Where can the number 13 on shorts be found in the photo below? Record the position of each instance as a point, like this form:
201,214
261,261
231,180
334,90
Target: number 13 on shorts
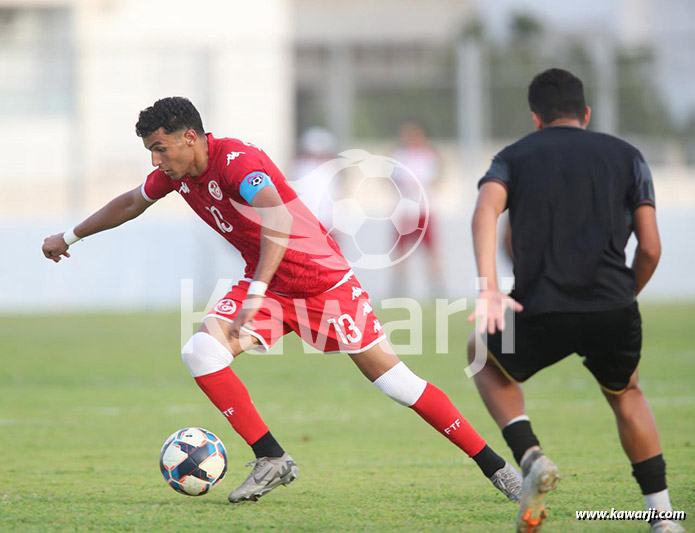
346,329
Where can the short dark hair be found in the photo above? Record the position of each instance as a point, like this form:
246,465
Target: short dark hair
173,113
556,93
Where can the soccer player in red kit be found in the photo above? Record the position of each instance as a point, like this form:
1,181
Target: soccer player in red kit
296,280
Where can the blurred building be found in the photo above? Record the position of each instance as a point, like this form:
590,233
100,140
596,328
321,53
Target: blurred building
356,57
75,74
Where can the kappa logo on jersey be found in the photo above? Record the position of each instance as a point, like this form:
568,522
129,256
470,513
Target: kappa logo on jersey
226,306
248,143
366,308
215,190
356,292
377,326
231,156
184,188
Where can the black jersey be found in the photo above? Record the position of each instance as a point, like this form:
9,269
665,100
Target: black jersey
571,195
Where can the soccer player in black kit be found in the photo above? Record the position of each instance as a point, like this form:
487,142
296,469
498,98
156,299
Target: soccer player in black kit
574,197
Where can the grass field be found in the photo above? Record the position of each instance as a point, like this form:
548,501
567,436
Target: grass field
86,402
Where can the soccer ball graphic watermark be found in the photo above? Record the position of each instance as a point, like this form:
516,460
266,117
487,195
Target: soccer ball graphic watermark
381,220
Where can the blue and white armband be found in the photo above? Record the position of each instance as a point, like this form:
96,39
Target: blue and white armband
253,183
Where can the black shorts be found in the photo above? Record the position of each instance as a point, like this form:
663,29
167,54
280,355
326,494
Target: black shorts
609,341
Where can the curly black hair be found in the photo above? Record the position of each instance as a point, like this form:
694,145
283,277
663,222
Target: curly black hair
173,113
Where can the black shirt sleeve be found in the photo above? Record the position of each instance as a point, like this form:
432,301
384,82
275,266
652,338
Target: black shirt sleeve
498,172
642,190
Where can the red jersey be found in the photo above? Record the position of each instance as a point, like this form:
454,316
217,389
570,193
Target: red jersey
312,263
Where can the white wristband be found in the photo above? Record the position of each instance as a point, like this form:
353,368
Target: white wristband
70,238
257,288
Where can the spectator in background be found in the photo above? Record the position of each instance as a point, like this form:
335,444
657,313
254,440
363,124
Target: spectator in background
417,154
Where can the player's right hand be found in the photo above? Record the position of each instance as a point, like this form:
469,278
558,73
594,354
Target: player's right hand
245,315
489,311
54,247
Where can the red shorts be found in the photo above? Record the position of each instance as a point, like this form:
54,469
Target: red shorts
339,320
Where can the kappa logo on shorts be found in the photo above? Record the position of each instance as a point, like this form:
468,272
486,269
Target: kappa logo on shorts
214,190
356,292
226,306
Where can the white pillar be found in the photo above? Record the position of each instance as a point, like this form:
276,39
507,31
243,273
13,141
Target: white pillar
605,107
341,94
470,103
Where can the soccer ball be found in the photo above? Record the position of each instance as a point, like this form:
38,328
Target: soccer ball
192,461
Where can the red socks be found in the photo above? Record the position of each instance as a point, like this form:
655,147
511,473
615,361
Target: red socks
436,408
230,396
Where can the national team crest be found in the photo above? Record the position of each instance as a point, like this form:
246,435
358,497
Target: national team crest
215,190
226,306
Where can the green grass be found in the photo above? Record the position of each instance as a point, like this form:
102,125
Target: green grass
86,402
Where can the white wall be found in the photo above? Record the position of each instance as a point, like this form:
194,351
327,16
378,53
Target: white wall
140,265
233,61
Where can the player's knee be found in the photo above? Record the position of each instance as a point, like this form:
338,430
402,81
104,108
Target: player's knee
204,354
401,384
624,397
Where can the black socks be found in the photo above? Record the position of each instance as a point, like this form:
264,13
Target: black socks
488,461
519,437
267,446
650,474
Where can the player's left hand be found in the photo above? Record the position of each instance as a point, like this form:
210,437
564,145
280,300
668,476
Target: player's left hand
245,316
489,311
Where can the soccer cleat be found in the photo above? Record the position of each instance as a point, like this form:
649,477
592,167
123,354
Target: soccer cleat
508,481
267,473
667,526
540,476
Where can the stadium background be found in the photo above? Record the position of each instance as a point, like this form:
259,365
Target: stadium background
76,73
90,379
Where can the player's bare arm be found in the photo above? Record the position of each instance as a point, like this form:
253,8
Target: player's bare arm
648,249
125,207
275,232
489,310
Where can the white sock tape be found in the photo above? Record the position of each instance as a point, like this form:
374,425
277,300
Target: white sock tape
658,500
517,419
400,384
204,354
